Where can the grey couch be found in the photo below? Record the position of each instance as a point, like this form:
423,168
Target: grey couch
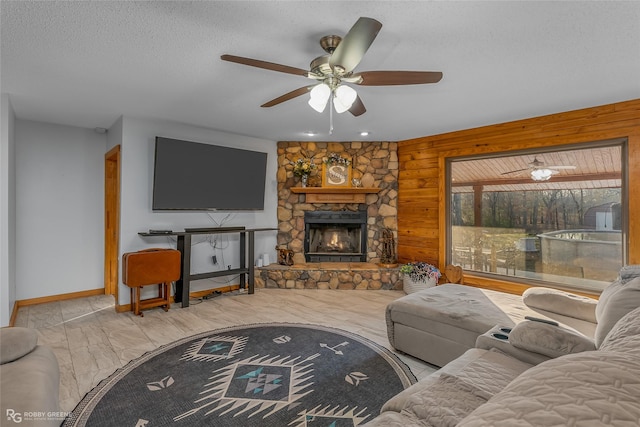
439,324
29,380
541,374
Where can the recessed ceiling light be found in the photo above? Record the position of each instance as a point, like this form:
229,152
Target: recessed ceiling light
365,133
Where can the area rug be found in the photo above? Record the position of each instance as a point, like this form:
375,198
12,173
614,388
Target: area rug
257,375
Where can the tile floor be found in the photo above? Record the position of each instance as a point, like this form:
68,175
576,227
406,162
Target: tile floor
91,340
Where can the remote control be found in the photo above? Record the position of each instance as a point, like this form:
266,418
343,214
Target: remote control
537,319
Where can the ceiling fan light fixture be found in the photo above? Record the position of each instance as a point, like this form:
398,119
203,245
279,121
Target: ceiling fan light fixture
319,96
344,98
541,174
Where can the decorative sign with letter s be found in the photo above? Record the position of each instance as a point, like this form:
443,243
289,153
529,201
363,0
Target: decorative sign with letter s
336,171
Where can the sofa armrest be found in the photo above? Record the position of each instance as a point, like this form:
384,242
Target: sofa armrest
16,343
549,340
561,302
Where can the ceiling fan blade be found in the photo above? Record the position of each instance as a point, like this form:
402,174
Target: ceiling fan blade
560,167
388,78
354,45
517,170
288,96
357,108
266,65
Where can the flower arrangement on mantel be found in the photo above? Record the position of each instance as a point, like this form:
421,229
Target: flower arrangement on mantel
302,167
421,272
336,159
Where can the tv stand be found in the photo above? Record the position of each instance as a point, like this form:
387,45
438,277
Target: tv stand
212,230
247,247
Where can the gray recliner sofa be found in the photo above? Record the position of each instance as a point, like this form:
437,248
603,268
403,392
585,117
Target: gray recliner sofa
538,373
29,380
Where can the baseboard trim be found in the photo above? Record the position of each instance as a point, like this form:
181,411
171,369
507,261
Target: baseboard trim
223,289
51,298
14,314
59,297
198,294
92,292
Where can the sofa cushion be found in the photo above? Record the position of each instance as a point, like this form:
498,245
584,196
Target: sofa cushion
589,388
492,371
550,340
464,307
616,300
31,384
561,302
625,335
16,343
394,419
446,402
629,272
480,374
397,402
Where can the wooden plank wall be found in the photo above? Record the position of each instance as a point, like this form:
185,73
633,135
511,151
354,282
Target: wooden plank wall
421,184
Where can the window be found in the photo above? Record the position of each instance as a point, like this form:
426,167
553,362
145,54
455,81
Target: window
550,216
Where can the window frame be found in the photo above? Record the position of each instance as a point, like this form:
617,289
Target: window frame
446,161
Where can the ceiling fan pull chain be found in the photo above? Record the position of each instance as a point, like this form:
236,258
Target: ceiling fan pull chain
330,117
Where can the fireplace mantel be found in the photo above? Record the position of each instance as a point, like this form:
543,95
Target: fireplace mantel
334,194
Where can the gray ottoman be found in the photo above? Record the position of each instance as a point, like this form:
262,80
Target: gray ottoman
439,324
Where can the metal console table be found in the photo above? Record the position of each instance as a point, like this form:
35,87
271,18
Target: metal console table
247,245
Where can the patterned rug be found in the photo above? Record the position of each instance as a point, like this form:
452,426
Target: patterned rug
256,375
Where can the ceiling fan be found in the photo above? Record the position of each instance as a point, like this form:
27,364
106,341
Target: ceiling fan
540,172
333,71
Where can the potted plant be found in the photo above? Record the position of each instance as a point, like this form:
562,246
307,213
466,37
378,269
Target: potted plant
419,275
303,168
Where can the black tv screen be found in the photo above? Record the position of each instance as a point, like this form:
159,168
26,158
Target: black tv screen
195,176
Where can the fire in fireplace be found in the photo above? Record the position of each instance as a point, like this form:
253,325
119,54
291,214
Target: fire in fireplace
338,236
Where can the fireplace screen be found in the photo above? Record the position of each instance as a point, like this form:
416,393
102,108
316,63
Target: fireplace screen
330,239
335,236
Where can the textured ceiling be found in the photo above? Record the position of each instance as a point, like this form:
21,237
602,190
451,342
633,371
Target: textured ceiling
87,63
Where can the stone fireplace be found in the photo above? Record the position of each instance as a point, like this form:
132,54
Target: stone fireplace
336,243
335,236
375,165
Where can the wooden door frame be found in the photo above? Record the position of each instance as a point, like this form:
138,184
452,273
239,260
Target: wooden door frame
111,221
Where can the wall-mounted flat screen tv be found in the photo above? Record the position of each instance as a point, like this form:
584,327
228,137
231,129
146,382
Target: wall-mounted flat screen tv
195,176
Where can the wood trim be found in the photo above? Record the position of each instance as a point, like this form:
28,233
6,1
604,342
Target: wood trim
112,220
59,297
422,196
14,314
334,194
511,287
334,190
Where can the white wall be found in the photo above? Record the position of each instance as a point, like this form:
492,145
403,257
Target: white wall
7,211
56,185
60,205
137,157
114,135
